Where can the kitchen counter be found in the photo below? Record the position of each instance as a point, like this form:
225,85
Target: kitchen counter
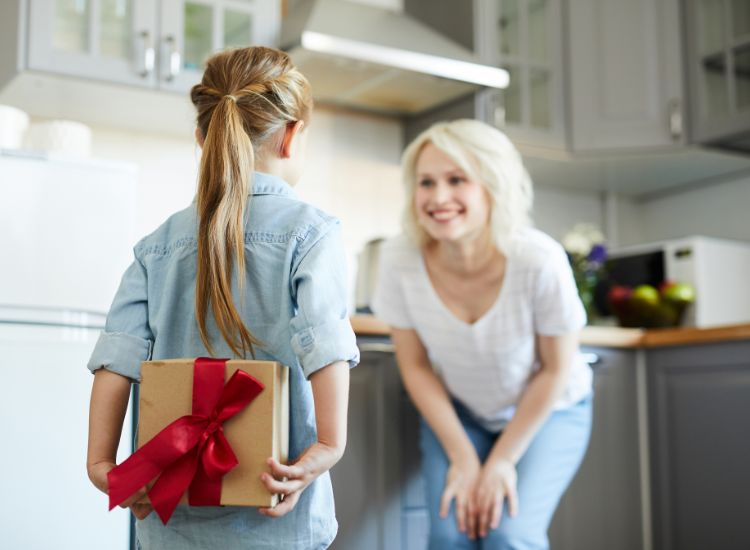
614,337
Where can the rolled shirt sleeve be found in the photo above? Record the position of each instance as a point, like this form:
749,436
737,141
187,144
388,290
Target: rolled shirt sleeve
321,331
127,339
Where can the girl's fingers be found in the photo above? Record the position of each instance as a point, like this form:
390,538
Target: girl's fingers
134,498
280,487
141,511
283,470
283,508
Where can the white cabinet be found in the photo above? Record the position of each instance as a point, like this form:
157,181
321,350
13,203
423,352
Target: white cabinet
193,29
102,39
141,42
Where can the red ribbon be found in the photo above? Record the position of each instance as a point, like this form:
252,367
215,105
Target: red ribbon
192,451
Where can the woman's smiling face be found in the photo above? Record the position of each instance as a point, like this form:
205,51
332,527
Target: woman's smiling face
450,204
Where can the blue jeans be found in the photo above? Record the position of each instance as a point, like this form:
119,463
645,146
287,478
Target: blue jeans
544,473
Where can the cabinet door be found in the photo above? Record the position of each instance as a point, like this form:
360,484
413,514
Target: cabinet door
110,40
525,38
191,30
366,480
602,507
625,74
699,403
718,46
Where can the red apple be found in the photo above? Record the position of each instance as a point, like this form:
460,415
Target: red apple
619,294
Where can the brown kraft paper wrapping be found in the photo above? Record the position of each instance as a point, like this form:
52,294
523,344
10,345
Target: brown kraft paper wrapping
259,431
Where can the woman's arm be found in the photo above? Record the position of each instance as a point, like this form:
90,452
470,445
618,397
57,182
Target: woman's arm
109,402
498,477
434,404
330,386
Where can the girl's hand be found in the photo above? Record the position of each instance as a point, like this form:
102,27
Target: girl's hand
98,476
290,481
459,485
496,483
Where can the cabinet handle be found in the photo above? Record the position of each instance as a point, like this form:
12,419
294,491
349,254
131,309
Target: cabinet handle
148,55
173,58
675,119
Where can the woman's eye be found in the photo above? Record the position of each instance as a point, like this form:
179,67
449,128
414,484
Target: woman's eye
425,183
456,180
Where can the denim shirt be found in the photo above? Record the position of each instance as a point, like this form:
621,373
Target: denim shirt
294,300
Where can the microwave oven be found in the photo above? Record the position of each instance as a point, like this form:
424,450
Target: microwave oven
718,270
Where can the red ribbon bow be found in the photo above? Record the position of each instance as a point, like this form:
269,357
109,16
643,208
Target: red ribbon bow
192,451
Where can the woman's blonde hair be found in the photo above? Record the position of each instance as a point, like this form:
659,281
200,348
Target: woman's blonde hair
485,154
246,96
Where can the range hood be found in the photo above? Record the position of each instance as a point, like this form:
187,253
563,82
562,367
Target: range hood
379,60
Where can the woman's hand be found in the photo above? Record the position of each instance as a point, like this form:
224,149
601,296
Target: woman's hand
290,481
496,483
460,481
98,476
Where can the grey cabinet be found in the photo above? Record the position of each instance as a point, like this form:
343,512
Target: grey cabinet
602,507
580,79
380,502
718,62
525,37
699,406
625,74
137,42
367,480
601,101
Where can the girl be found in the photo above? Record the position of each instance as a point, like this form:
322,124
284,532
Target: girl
484,314
230,275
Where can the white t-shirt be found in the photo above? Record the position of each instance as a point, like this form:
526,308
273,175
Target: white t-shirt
487,365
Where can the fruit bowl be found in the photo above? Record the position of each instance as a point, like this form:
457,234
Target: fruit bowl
648,307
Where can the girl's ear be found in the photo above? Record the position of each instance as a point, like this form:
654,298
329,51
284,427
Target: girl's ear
291,131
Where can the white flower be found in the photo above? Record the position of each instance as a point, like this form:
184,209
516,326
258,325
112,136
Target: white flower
582,238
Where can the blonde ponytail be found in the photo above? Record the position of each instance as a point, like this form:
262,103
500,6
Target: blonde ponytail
245,97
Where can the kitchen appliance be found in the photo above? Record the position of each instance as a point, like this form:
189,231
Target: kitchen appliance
367,275
380,60
718,269
66,233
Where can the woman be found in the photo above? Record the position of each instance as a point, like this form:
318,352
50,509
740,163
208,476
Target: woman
484,315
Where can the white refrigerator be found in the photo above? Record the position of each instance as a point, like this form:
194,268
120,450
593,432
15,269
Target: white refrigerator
66,235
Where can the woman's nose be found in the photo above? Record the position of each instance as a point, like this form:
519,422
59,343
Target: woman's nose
441,192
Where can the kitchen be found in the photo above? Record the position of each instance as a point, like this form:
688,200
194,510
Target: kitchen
619,128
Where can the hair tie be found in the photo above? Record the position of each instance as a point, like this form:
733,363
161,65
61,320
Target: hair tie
230,96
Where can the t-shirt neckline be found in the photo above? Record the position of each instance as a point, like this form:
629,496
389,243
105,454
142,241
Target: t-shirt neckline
444,307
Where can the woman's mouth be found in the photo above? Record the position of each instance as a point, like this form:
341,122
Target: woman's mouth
444,216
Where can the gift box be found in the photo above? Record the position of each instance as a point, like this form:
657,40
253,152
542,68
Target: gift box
205,429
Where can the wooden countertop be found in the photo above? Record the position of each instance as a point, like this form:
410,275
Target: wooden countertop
612,337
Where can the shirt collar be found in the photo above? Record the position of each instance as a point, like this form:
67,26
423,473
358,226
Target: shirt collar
268,184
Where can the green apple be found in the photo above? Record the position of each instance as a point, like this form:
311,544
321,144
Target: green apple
645,295
679,294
